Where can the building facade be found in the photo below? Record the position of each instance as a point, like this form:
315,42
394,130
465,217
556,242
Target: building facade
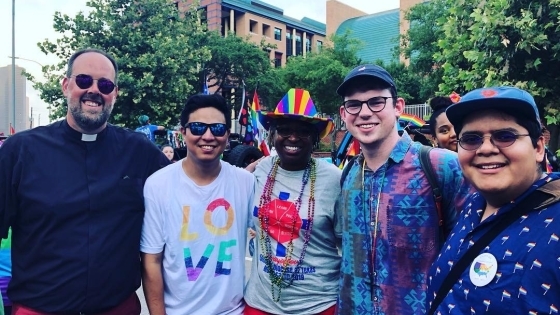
6,100
260,20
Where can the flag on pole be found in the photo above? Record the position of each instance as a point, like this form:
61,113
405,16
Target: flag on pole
12,130
258,129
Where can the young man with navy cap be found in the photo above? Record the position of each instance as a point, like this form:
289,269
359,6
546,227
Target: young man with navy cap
501,149
387,215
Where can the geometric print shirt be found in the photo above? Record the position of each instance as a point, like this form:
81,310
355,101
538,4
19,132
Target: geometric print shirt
524,278
389,217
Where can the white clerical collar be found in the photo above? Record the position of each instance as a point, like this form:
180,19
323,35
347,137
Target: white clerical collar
89,138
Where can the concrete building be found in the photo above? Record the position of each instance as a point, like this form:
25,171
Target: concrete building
6,100
261,20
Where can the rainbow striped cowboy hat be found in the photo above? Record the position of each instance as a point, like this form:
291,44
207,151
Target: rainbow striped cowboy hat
297,104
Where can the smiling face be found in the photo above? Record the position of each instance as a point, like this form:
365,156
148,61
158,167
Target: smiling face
89,109
500,174
445,134
369,128
293,141
206,148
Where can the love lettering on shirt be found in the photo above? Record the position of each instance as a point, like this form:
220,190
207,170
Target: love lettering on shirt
223,255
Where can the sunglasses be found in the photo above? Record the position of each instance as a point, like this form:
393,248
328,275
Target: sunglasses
500,139
300,132
375,104
85,81
199,128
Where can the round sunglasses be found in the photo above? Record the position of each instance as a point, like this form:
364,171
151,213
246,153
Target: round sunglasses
85,81
199,128
500,139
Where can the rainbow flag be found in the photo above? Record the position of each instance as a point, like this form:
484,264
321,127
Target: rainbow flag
412,120
257,128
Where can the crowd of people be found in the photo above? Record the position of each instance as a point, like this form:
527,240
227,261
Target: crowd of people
90,210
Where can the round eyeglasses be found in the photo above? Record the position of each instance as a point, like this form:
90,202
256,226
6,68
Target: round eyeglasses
500,139
375,104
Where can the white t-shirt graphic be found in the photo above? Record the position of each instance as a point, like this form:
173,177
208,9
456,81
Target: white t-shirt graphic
202,231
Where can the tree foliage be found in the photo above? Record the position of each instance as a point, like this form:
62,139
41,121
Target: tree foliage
501,42
155,49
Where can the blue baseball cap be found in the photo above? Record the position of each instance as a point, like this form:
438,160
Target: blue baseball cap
368,70
510,100
143,119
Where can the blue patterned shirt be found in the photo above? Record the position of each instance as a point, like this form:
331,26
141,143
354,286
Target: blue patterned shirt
407,237
527,278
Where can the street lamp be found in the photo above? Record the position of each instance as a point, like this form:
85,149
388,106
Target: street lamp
21,58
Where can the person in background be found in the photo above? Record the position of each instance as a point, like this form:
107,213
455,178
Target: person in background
501,149
440,127
147,128
295,269
387,216
169,152
197,216
72,194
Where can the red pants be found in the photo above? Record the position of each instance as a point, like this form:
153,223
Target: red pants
130,306
253,311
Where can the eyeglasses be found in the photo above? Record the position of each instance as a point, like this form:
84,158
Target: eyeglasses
85,81
375,104
303,133
199,128
500,139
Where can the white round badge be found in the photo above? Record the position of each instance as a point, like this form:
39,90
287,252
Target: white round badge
483,269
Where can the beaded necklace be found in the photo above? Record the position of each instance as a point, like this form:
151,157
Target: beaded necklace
276,279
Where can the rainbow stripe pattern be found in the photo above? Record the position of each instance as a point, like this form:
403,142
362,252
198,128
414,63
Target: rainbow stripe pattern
412,120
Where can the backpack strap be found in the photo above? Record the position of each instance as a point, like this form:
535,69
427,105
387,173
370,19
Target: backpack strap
346,169
426,164
533,201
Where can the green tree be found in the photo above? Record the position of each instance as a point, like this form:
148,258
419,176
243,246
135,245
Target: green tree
501,42
155,48
418,45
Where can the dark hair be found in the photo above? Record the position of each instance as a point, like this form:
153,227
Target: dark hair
93,50
438,104
366,83
199,101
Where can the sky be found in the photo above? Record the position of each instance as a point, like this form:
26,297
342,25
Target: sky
34,24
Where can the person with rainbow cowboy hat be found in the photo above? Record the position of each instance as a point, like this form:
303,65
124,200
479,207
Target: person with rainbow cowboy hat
296,265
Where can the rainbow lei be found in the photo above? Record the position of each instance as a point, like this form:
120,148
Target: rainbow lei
276,280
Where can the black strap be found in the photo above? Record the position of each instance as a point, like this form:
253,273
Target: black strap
346,169
428,169
527,205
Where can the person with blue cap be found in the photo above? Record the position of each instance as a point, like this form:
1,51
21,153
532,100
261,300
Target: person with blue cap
503,255
388,218
147,128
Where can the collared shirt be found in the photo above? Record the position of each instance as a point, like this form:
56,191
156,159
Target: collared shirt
407,238
76,211
527,253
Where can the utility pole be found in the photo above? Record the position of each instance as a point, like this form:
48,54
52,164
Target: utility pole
14,64
31,119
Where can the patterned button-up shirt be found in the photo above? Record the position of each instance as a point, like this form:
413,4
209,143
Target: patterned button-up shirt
527,278
393,210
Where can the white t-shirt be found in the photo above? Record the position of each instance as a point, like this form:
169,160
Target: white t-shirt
202,231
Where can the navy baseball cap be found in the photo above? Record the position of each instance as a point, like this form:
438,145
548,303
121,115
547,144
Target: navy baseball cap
369,70
510,100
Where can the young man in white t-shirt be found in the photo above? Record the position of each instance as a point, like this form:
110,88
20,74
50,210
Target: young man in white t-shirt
195,227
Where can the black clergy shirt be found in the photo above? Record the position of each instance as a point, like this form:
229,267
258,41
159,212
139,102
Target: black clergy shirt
76,211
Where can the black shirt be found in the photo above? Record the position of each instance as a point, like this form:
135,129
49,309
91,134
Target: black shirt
76,211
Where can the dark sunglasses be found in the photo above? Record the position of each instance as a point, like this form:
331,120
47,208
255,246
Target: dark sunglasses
199,128
500,139
85,81
285,132
375,104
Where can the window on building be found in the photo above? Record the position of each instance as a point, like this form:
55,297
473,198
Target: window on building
299,46
319,45
277,34
253,26
203,15
277,59
266,30
289,51
307,45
